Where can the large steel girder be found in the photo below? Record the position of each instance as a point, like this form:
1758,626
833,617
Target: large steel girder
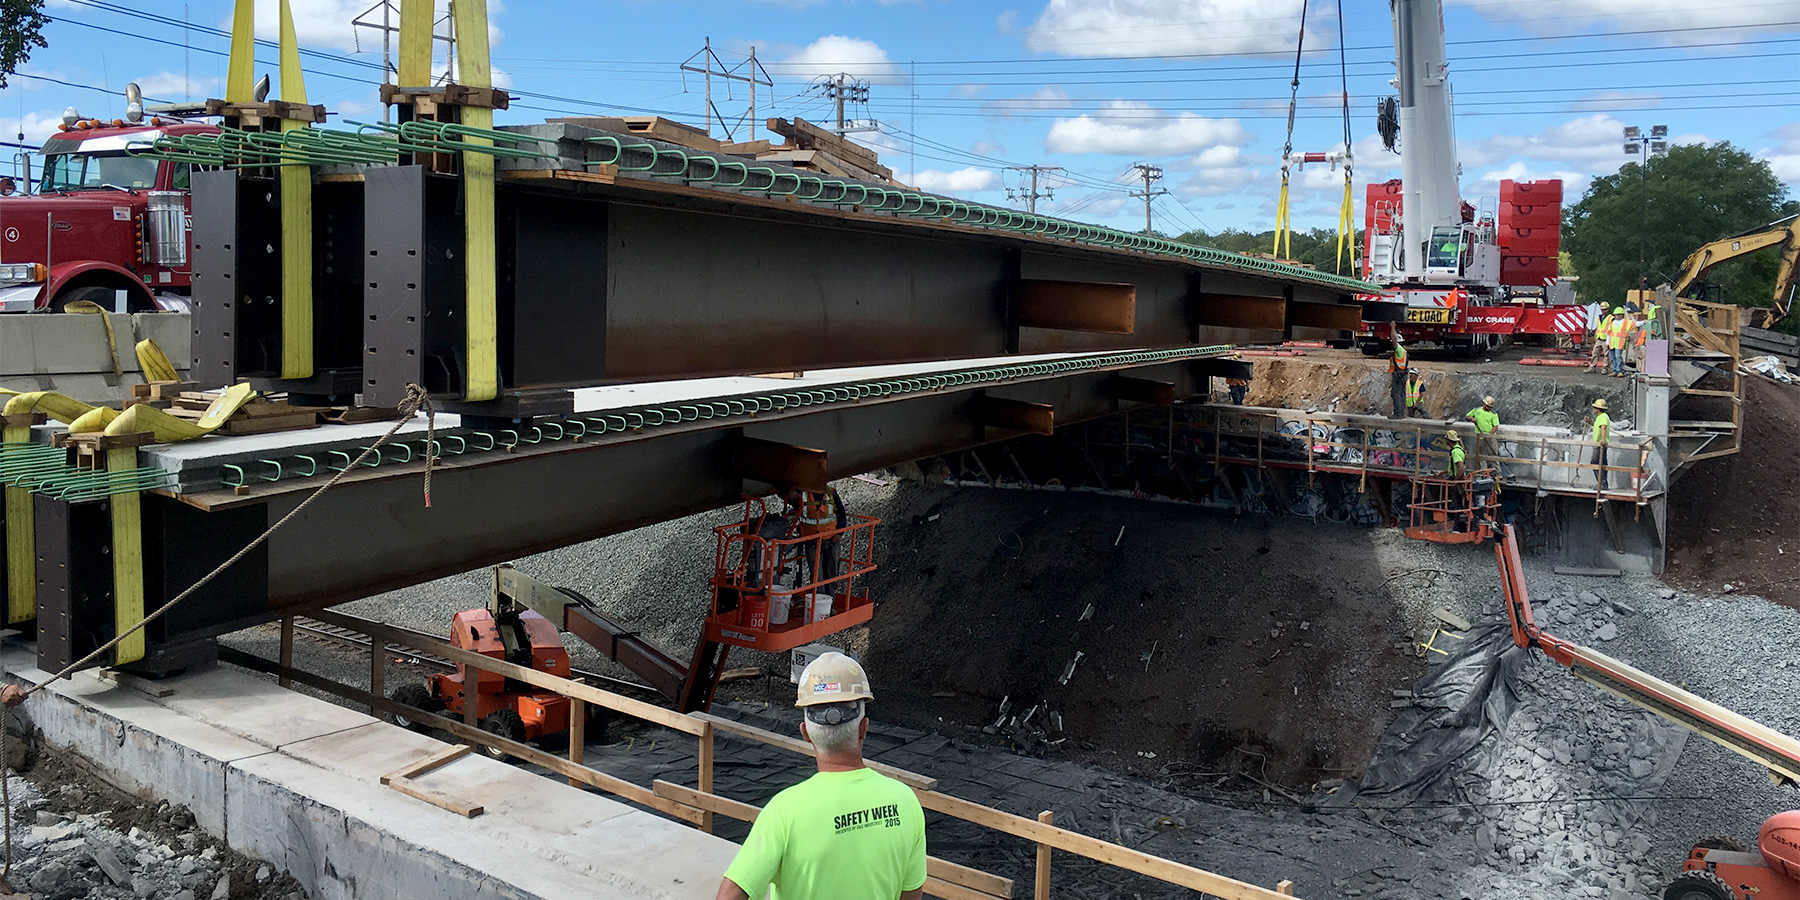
373,532
607,283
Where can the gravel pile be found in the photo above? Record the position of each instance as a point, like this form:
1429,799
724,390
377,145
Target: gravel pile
76,838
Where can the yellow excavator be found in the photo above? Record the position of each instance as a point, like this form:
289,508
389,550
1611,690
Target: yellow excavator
1784,233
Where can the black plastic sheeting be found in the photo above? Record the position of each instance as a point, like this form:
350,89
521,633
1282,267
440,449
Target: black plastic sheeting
1463,698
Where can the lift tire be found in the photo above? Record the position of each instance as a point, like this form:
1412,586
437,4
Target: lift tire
416,696
1698,886
1721,842
504,723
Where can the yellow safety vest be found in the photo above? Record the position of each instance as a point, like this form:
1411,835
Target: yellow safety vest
1414,387
1616,332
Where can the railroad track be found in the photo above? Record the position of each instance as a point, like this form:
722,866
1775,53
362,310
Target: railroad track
349,637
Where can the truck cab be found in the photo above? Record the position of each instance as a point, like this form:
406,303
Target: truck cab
103,219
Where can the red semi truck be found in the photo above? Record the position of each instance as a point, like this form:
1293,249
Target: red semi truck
100,220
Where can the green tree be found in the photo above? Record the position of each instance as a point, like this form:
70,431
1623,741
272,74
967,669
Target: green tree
20,24
1316,247
1693,195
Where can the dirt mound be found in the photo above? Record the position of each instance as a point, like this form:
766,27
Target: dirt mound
1736,519
1348,382
1262,644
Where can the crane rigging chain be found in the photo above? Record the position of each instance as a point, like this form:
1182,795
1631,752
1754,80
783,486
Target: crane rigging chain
416,400
1346,238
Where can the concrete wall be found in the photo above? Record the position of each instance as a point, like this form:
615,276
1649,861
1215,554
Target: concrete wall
295,780
68,353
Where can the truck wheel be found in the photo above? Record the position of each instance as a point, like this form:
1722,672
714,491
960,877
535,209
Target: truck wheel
416,696
504,723
1721,842
1698,885
97,294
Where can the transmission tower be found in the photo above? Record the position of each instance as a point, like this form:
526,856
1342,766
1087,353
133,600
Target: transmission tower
844,88
1151,174
1031,196
711,66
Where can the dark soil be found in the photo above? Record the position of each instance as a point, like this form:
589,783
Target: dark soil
1259,645
1736,519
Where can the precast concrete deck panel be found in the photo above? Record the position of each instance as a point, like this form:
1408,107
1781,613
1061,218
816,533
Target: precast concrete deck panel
295,780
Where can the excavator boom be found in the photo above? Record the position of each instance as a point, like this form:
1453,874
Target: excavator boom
1787,237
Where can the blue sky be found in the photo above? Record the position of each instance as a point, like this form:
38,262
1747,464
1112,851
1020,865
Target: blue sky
961,90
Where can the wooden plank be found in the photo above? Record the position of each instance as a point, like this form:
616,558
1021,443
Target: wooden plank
1041,888
435,798
1096,849
1015,415
937,887
811,137
783,465
429,762
648,712
910,779
462,731
986,884
1099,307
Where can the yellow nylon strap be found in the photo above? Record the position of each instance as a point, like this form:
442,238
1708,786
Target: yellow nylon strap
128,560
240,80
482,322
21,543
296,224
1281,220
1346,226
416,20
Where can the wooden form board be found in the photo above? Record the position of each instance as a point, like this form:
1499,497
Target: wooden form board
739,729
401,780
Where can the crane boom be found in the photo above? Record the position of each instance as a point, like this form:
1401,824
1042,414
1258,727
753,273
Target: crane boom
1786,237
1428,171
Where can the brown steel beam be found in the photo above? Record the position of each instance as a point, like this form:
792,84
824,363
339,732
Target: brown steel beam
1324,315
1142,390
782,465
1078,306
626,648
1016,415
1234,311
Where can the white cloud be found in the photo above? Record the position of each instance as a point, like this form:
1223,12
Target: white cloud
1784,157
836,53
1128,127
1740,21
1601,101
36,126
1006,21
176,86
1590,144
988,148
1157,27
961,181
1047,97
1213,182
325,24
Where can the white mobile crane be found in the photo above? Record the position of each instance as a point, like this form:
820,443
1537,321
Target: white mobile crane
1454,275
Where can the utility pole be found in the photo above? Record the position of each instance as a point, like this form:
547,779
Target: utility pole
1644,146
1151,174
843,88
388,29
712,67
1031,197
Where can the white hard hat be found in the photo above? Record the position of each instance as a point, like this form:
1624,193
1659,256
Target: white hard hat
833,678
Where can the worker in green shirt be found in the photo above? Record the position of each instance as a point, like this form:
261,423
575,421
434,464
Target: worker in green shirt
847,832
1456,454
1600,435
1487,445
1397,368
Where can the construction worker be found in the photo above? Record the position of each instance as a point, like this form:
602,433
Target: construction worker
1240,388
1653,315
1397,366
821,514
12,695
1456,468
1415,392
1487,445
847,831
1618,329
1600,434
1640,333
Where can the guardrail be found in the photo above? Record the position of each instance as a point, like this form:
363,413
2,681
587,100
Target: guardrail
698,805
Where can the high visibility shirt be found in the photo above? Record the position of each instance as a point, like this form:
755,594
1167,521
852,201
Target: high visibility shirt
1415,387
816,512
1456,459
1602,428
1485,420
1641,332
1617,332
1397,362
856,834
